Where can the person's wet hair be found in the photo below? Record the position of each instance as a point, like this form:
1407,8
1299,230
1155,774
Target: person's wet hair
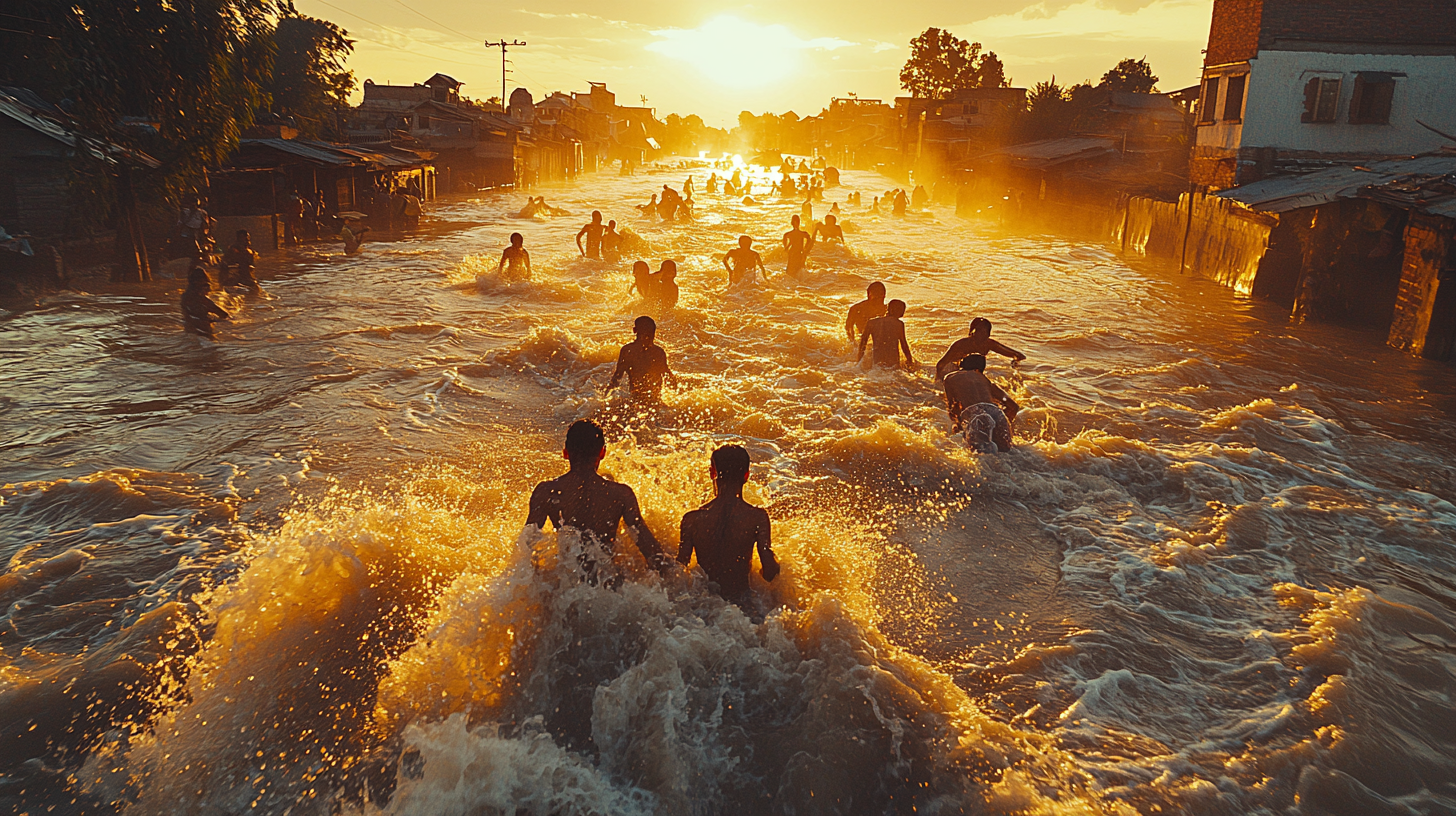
745,241
641,268
981,323
669,266
584,440
517,239
974,362
876,288
731,464
197,276
644,324
896,307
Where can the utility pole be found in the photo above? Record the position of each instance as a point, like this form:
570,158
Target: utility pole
504,46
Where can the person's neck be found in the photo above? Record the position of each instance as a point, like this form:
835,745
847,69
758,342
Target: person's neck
583,468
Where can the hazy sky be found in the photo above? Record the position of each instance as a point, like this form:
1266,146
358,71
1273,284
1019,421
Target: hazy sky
718,58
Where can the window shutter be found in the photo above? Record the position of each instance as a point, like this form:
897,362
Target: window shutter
1357,99
1233,103
1208,107
1311,99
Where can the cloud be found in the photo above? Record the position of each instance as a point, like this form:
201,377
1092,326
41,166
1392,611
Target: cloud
1164,20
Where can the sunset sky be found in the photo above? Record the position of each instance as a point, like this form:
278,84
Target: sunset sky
718,58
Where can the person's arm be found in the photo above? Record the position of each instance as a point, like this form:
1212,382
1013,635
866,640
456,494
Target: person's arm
667,373
580,233
216,309
502,264
941,363
905,346
620,370
863,338
1001,348
685,543
641,536
726,266
849,323
540,507
528,262
762,270
954,408
1007,403
768,564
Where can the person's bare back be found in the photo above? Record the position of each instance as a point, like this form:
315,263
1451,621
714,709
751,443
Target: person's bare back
725,531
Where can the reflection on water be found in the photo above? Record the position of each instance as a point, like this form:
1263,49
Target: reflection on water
285,571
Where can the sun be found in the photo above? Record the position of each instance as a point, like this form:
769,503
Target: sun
733,52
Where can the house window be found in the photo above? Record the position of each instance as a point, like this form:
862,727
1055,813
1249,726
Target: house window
424,122
1321,99
1233,102
1370,101
1208,104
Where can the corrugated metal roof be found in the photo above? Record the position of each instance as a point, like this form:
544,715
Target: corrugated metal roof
36,120
1287,193
316,152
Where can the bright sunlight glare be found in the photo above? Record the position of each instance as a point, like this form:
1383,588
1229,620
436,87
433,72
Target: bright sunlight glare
739,54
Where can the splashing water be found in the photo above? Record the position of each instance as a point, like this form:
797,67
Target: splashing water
285,572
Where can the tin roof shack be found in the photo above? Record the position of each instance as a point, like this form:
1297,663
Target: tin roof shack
38,150
937,135
252,190
1288,81
860,134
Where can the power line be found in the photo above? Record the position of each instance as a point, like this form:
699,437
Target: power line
402,34
504,47
433,20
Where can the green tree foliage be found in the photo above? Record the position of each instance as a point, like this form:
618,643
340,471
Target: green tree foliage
687,135
1130,75
940,64
309,81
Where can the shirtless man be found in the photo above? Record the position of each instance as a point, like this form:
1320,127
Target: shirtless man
641,280
743,261
612,243
664,289
644,362
862,313
889,335
593,232
514,258
978,407
725,531
594,506
797,244
977,342
830,229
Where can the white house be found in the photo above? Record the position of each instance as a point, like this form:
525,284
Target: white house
1324,80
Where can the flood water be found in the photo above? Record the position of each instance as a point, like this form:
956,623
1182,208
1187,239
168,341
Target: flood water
285,572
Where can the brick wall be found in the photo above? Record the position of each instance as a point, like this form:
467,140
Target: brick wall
1234,35
1376,22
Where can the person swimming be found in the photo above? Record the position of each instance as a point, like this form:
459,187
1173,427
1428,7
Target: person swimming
515,260
830,229
889,336
860,314
644,363
596,507
725,531
742,262
593,231
198,310
978,341
797,245
978,407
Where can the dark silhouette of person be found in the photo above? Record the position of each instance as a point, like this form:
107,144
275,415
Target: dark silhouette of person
612,243
664,287
743,261
515,260
889,336
725,531
978,407
198,310
238,261
978,341
797,244
644,363
594,506
860,314
593,232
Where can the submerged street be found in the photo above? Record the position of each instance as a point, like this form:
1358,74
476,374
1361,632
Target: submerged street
286,569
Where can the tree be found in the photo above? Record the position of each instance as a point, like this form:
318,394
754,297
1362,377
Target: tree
940,64
309,82
1130,75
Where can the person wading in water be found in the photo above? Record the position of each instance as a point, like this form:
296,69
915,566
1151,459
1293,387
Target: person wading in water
725,531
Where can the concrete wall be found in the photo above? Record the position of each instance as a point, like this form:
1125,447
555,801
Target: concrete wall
1427,247
1274,102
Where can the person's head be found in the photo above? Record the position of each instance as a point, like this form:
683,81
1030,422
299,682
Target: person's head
729,468
641,270
596,216
585,444
830,220
795,221
645,328
895,308
243,238
197,278
973,362
744,241
517,239
980,327
668,269
612,225
876,292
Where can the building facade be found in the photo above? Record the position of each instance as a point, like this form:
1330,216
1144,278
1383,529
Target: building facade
1338,81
